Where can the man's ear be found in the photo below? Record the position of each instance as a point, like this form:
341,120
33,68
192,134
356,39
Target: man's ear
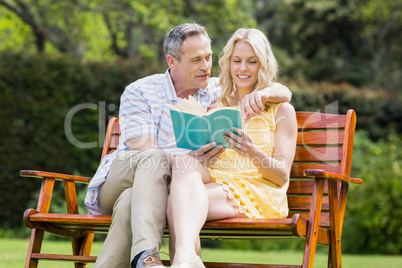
171,61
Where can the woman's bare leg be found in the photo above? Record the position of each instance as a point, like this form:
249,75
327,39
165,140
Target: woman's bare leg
192,201
188,207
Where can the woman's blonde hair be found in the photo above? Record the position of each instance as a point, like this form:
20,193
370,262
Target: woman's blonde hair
268,65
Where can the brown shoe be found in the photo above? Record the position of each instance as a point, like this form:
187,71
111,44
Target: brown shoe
150,259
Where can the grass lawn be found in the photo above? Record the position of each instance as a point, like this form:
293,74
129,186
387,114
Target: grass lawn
13,253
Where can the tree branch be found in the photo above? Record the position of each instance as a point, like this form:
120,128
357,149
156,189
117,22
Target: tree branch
23,11
113,36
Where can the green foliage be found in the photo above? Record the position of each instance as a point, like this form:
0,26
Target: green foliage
377,112
14,33
338,41
374,212
381,24
354,41
112,29
37,93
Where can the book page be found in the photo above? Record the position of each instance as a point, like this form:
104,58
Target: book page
191,106
221,108
196,104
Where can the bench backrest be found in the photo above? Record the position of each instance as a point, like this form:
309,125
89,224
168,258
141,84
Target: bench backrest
324,141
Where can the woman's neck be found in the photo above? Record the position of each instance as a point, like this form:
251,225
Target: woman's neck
239,95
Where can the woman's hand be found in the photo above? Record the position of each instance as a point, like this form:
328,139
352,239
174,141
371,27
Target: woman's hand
243,144
208,154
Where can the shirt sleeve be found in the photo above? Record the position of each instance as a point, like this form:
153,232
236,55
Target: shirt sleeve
135,115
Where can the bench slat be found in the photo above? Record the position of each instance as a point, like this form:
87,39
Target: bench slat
60,257
318,138
308,120
297,170
303,203
303,187
114,141
321,154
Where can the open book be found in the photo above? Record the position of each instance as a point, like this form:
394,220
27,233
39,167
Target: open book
194,128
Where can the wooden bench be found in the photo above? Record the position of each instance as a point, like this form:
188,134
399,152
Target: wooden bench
317,199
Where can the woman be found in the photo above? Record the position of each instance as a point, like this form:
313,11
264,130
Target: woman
251,178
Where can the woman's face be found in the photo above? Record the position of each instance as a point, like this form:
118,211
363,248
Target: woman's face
244,65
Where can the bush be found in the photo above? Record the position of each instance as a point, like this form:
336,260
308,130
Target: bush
374,211
378,112
36,95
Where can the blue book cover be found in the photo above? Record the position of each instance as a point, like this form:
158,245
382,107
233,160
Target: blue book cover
193,128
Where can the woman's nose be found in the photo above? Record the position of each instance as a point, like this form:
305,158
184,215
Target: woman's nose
243,66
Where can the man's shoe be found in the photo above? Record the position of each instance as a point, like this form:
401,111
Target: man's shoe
150,258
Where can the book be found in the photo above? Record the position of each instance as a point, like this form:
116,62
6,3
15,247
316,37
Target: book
194,128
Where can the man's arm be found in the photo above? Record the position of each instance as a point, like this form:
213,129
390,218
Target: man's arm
278,93
253,103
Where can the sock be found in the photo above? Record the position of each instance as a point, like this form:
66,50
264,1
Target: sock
135,260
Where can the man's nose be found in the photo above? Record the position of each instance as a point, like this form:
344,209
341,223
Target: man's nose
205,65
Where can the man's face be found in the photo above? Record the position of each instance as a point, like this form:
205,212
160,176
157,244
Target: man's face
194,68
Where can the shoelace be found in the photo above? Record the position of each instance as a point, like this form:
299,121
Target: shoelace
152,259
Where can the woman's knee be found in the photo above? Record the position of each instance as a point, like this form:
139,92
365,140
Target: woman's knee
188,168
185,164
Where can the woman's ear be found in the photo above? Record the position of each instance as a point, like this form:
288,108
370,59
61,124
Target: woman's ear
171,61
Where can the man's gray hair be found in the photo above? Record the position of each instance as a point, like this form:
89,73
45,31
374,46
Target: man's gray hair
175,38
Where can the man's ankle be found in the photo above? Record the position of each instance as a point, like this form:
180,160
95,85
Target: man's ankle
136,258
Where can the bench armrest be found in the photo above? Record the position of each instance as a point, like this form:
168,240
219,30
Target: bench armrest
57,176
322,174
46,192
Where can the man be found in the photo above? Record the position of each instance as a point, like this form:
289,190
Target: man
132,183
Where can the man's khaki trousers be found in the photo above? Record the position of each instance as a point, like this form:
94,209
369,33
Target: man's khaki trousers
135,193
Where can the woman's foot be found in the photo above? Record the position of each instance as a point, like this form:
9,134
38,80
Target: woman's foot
197,263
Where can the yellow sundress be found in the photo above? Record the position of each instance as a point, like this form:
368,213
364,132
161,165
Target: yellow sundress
255,196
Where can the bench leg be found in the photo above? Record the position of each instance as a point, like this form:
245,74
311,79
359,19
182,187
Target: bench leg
35,245
314,222
335,247
82,246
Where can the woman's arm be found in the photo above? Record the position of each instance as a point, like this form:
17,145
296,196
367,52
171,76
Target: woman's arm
277,168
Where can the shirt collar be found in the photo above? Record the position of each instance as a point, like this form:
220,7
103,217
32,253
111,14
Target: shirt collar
171,92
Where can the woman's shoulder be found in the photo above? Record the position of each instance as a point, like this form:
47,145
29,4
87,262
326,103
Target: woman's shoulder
286,112
280,108
286,107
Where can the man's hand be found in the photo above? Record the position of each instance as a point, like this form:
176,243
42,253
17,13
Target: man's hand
253,103
208,154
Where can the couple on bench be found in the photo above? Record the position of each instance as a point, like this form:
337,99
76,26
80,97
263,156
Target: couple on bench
148,179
